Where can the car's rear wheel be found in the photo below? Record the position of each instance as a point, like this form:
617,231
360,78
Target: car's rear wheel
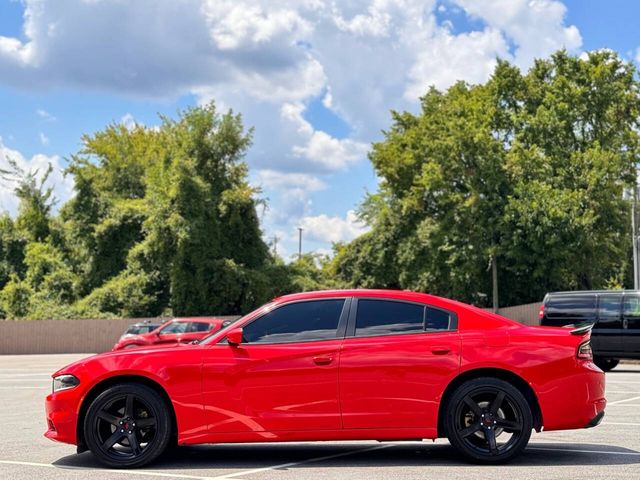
488,420
127,425
606,364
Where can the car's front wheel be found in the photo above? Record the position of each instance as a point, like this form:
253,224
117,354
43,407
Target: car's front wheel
127,425
488,420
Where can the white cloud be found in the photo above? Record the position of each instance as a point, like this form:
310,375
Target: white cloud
293,193
270,59
45,115
128,121
286,181
447,58
318,147
322,228
62,186
44,140
535,26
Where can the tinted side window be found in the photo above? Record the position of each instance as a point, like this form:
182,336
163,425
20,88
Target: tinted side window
297,322
631,306
437,319
384,317
566,309
200,327
609,311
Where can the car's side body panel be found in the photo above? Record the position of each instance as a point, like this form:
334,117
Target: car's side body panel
396,381
262,388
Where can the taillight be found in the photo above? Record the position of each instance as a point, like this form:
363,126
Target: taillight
584,351
541,312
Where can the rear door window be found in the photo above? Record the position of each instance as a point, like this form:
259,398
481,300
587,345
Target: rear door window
385,317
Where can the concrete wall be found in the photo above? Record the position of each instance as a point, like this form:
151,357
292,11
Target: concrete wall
63,336
99,335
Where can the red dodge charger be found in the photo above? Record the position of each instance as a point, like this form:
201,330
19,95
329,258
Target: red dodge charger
335,365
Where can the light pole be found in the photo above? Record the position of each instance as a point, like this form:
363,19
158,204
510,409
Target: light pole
299,243
634,235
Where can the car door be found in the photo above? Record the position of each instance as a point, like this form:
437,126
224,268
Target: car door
283,376
606,337
395,362
631,325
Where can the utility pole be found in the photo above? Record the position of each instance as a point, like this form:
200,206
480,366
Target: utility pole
634,235
494,278
275,246
299,243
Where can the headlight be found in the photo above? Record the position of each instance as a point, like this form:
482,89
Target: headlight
64,382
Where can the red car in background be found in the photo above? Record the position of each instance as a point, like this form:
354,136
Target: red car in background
335,365
178,330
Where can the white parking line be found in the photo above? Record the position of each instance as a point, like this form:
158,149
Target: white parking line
146,473
622,401
150,473
302,462
622,423
626,405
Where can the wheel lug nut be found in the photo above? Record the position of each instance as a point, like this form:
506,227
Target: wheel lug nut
121,431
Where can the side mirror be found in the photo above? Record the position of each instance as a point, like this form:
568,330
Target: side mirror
234,337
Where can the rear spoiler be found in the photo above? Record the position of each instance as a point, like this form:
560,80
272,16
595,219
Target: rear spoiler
582,329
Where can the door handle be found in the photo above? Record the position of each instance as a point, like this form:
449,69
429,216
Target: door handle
440,350
322,359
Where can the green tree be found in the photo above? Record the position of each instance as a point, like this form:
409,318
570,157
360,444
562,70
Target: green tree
164,219
525,172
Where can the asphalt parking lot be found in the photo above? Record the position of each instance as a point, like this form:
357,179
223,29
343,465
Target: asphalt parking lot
610,451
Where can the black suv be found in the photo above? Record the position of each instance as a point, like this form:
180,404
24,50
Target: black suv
615,315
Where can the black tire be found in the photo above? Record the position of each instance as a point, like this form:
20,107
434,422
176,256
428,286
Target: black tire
128,425
480,411
606,364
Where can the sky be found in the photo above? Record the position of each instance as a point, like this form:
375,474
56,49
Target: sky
316,79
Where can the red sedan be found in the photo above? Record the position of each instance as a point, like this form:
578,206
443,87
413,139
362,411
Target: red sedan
335,365
178,330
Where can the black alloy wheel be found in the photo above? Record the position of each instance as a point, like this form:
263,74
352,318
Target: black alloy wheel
127,425
488,420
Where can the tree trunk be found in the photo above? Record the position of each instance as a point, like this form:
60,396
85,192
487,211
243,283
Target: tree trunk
494,275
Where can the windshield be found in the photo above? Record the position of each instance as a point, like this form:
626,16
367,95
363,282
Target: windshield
226,327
